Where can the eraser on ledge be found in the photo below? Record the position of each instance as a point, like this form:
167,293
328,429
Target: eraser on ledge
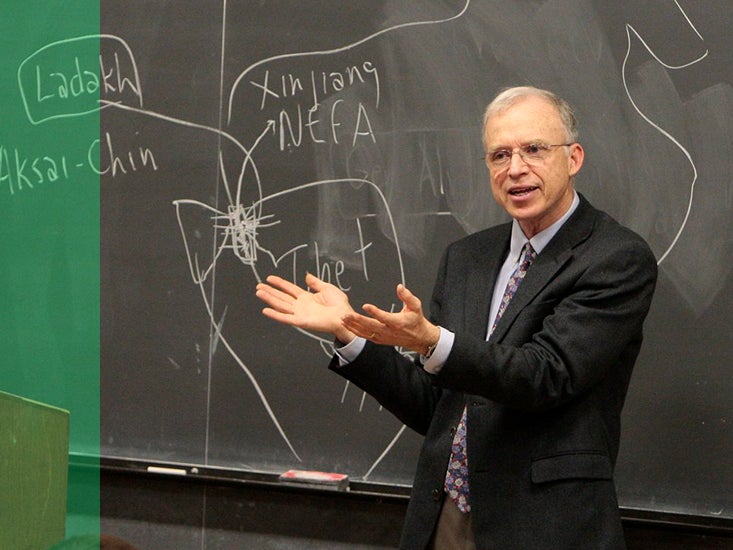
315,478
165,470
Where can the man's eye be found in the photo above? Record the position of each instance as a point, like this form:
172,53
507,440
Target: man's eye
498,156
533,148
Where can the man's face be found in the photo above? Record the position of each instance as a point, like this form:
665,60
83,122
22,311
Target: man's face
535,193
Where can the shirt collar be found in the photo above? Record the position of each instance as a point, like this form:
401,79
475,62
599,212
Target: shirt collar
541,239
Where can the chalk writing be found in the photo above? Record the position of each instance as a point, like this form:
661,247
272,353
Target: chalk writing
115,80
57,85
339,118
317,84
20,171
57,81
113,164
314,117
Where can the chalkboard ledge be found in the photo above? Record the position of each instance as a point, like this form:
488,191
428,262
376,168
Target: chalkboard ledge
208,474
193,473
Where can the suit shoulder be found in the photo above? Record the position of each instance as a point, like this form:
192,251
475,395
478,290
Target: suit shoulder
608,227
481,239
612,239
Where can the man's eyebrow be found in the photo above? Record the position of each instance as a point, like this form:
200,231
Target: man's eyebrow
526,142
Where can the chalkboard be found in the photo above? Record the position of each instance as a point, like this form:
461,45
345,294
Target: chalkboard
240,139
49,219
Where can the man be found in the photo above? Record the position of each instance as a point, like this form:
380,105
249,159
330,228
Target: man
528,351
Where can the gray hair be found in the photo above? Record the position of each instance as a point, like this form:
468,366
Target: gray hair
507,97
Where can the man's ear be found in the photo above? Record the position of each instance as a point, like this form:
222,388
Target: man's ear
575,159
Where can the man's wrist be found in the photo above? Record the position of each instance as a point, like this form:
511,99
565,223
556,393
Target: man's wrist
344,337
429,350
430,347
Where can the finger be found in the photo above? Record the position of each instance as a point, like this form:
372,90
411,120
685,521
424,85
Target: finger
284,285
274,301
380,315
274,298
270,290
284,318
358,321
314,283
362,325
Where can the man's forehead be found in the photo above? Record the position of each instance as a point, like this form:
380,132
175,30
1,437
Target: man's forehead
525,119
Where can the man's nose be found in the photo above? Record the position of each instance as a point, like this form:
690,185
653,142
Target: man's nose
517,164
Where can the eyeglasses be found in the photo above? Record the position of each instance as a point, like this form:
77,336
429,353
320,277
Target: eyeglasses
531,153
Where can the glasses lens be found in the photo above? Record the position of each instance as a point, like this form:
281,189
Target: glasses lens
534,152
500,157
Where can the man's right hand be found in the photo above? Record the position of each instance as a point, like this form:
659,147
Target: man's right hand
321,308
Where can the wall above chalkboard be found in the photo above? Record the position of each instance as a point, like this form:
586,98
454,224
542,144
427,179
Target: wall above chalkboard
344,140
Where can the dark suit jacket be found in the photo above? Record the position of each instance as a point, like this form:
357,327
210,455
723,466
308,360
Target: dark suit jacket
544,394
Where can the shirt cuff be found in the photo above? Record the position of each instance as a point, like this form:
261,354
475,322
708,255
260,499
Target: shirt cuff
350,351
441,352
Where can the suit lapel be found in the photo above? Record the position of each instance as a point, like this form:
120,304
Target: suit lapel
548,263
480,279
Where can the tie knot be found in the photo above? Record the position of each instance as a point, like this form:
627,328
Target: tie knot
527,255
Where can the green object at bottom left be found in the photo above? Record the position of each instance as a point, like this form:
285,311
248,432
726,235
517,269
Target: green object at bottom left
34,458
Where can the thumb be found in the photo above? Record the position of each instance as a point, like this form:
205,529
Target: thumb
411,301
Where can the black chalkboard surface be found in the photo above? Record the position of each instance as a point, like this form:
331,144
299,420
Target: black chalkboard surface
240,139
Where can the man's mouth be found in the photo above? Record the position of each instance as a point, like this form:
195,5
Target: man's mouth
521,191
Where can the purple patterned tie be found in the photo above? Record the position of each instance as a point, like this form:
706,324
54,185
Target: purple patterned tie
527,257
456,478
